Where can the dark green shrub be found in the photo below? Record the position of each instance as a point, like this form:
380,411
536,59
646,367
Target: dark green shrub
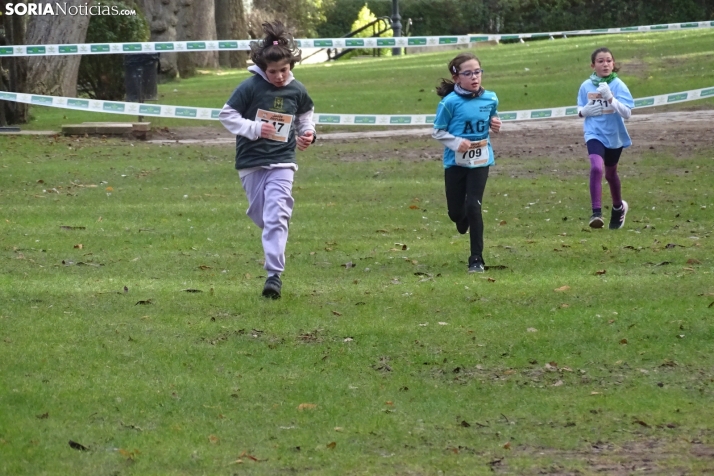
102,76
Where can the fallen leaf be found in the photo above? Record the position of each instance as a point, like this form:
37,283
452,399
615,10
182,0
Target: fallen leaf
503,222
414,207
600,272
465,424
640,422
389,402
402,246
491,280
109,189
77,446
336,313
623,341
130,455
507,446
332,445
693,261
67,227
565,305
192,290
213,439
147,301
204,267
307,406
44,416
79,246
561,289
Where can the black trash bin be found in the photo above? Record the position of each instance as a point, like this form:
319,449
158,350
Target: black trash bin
140,76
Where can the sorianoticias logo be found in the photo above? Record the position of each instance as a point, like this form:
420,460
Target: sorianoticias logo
57,8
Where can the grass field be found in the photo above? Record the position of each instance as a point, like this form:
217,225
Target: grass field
531,75
131,321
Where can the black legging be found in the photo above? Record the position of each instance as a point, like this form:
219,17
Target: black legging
464,194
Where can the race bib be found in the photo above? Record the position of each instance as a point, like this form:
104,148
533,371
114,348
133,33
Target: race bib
281,122
597,98
476,156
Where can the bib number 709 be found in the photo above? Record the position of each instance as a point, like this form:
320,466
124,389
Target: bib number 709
476,155
471,154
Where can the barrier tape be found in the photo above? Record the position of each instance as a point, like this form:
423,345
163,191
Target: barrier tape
348,43
185,112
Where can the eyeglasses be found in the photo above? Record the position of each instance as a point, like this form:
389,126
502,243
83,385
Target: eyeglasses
469,74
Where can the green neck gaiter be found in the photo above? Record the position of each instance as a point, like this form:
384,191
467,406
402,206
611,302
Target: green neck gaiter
597,79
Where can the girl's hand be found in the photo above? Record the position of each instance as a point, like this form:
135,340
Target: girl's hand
464,146
304,141
604,90
266,130
496,123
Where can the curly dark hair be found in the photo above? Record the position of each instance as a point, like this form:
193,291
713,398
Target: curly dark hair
277,45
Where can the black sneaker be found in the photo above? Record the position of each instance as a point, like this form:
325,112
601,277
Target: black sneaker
462,226
272,287
476,265
596,221
617,220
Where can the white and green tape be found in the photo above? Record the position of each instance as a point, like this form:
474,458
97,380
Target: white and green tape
204,113
393,42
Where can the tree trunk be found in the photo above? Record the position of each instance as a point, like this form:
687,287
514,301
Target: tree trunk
55,75
231,25
197,21
13,71
162,16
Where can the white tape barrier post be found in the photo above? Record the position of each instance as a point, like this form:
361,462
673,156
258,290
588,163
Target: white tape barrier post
184,112
403,42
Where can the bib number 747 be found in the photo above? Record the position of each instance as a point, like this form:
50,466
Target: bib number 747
281,122
476,155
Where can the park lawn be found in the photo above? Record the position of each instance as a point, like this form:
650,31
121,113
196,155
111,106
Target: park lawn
131,320
531,75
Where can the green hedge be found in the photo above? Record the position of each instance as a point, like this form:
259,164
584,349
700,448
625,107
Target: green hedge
455,17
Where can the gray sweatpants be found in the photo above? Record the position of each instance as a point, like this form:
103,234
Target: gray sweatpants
270,206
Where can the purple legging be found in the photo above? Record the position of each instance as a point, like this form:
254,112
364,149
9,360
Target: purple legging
609,158
596,166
